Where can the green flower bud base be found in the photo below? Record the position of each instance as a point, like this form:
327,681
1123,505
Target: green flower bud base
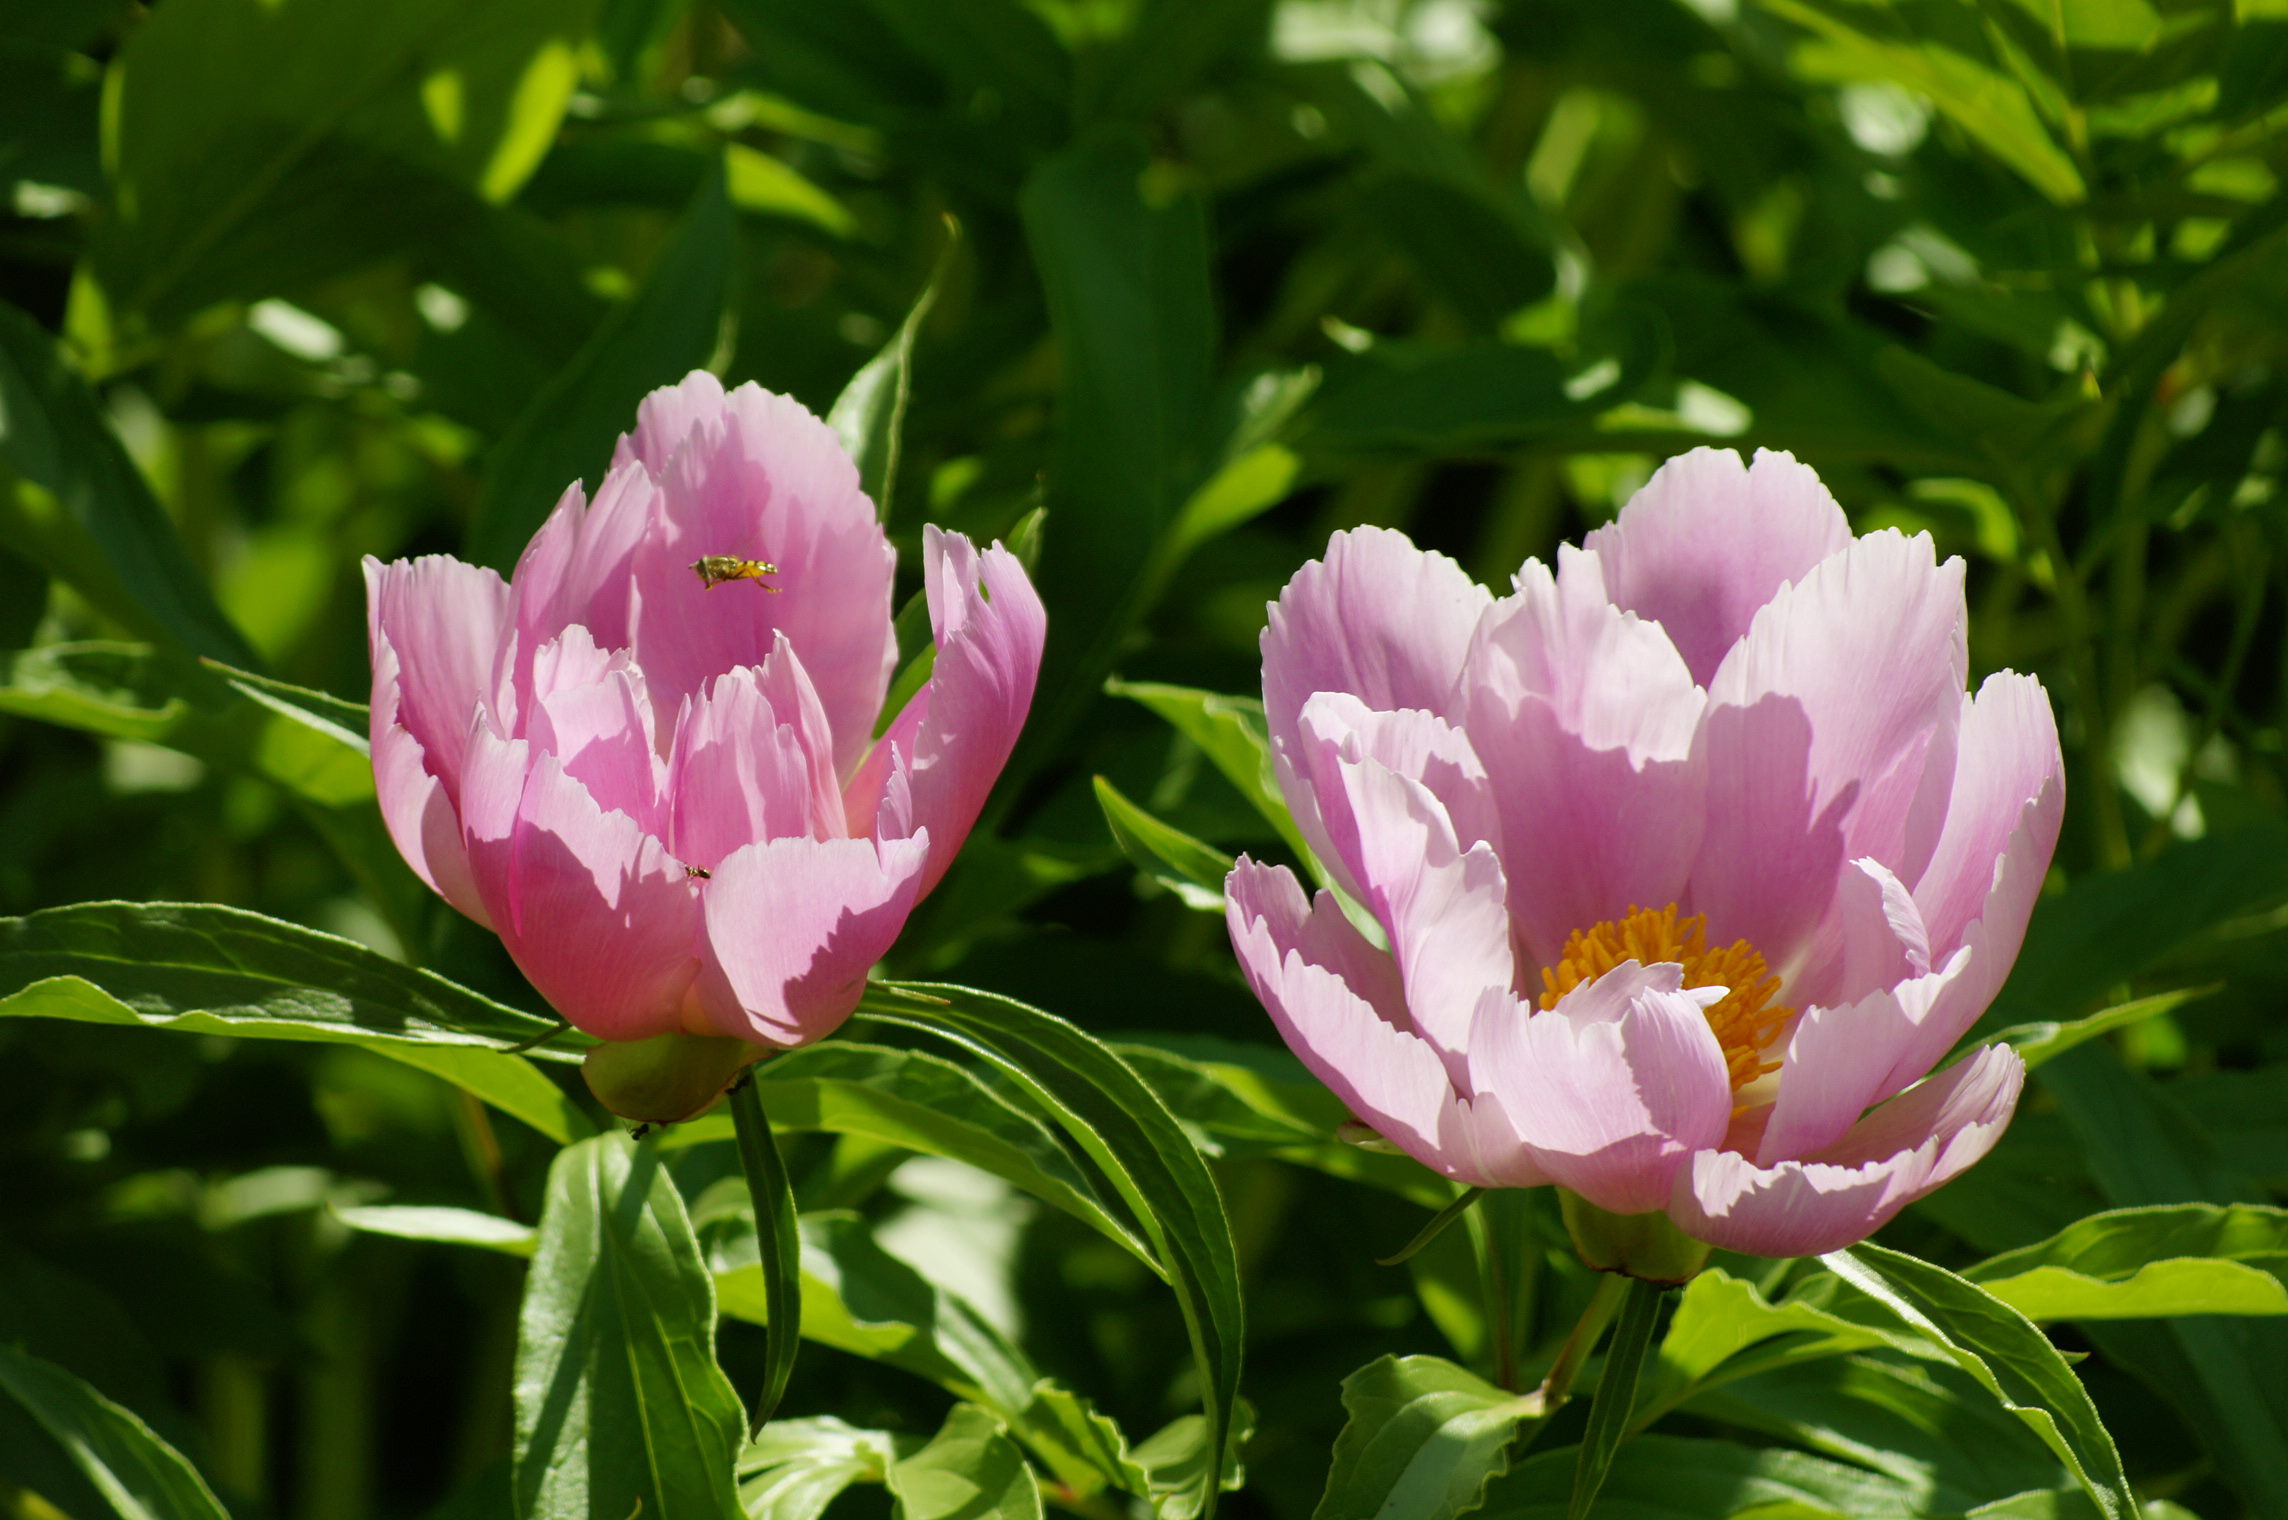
1644,1246
665,1079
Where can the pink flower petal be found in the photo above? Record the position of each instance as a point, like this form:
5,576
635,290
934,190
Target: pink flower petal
1442,906
773,485
602,733
2007,756
1707,542
1614,1088
793,926
990,628
1376,617
579,570
421,818
598,917
440,621
741,776
1338,1004
667,417
1873,643
1839,1061
1895,1155
1584,717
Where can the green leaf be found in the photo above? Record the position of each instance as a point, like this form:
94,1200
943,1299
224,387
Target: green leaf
1616,1394
796,1468
778,1245
619,1401
1126,1130
856,1297
1128,285
460,1227
1676,1478
206,969
1929,1427
255,148
920,1102
567,432
1483,398
1242,490
2039,1042
142,1476
1994,109
1258,1100
1230,731
1724,1329
2001,1349
1473,250
1192,870
760,183
1177,1470
1423,1439
870,414
970,1470
74,503
2107,928
2122,1242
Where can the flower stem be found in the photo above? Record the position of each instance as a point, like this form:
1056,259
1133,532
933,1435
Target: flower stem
777,1243
1434,1228
1611,1289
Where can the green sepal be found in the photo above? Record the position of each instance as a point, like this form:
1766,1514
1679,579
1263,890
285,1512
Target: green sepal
667,1078
1644,1246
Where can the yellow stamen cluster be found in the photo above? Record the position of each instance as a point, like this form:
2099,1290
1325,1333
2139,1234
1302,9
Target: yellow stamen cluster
1745,1022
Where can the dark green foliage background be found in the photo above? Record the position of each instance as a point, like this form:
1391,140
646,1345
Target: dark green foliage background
2013,272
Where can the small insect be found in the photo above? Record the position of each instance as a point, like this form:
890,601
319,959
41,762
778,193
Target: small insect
699,871
715,569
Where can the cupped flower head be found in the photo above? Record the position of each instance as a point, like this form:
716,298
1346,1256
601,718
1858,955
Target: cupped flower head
1692,858
663,788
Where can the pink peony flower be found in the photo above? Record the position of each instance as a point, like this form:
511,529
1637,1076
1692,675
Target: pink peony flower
664,792
1692,858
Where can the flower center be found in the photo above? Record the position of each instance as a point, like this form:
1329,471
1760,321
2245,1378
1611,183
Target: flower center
1745,1021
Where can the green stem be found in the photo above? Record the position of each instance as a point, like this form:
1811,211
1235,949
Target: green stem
777,1243
1616,1393
1611,1289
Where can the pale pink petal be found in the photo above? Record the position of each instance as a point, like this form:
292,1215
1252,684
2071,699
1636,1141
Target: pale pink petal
1895,1155
2008,755
1584,718
1339,1005
1614,1088
1839,1060
786,686
794,925
441,621
1991,941
579,570
1873,643
594,912
1707,542
990,628
772,485
1376,617
1337,728
740,775
1442,907
1767,866
870,798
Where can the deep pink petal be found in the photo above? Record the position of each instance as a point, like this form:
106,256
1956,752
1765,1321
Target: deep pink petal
1584,718
1442,907
1904,1149
990,629
740,776
1707,542
441,621
2007,756
1339,1005
602,732
666,418
421,818
593,910
1376,617
1614,1088
771,484
794,925
1874,643
579,570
